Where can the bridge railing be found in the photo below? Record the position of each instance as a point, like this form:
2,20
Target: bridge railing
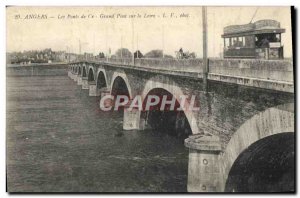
120,61
189,65
279,70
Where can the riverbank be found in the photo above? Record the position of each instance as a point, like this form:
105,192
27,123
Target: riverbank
59,69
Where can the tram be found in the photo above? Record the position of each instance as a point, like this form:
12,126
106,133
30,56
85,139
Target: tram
258,40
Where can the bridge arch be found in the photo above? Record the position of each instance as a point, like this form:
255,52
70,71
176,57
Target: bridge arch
79,70
91,73
101,80
273,121
84,73
176,91
123,76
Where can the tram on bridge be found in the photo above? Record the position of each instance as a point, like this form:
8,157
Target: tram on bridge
259,40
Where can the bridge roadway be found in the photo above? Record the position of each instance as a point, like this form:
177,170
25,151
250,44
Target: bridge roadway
245,101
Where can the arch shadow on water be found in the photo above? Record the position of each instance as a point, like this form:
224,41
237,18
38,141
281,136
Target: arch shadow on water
83,71
91,75
79,71
119,88
101,80
169,121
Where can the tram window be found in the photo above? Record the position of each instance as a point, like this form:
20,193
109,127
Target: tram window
227,42
249,41
241,42
234,41
263,40
277,37
238,42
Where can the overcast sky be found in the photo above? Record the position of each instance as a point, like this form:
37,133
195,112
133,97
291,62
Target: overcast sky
169,33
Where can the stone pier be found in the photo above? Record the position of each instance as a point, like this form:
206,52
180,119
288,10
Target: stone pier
75,77
204,173
131,119
93,89
85,83
103,91
71,75
79,80
108,102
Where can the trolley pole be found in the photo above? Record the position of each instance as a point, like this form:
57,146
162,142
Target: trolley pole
106,46
205,60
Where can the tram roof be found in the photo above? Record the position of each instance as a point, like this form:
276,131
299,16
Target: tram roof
258,27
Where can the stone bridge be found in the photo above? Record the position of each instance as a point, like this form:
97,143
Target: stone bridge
242,103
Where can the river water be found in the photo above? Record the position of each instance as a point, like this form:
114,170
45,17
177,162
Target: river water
59,141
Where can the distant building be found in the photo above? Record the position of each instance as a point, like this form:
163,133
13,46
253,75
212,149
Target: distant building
43,56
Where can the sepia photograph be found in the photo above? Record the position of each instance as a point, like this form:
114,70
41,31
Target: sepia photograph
150,99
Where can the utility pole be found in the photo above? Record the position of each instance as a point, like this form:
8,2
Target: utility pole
66,55
213,33
132,41
205,60
163,41
106,44
94,45
79,46
137,45
121,46
70,50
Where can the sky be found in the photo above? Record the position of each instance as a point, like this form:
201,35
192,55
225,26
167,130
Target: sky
171,29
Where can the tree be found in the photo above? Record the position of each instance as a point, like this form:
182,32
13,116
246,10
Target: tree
101,55
138,54
154,54
192,55
123,53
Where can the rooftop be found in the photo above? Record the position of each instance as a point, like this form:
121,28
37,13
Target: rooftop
258,27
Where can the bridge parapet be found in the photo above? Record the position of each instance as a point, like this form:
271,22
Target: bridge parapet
267,74
190,65
278,70
121,61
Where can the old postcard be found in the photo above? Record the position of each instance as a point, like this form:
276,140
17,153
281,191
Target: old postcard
150,99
